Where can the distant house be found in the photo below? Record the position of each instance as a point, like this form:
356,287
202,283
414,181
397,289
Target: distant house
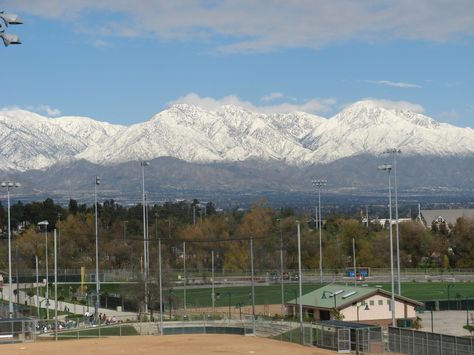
354,304
446,217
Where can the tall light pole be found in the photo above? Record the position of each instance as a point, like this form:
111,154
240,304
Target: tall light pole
161,287
145,251
213,293
5,21
8,185
253,285
388,169
45,224
395,152
97,280
281,266
300,283
318,184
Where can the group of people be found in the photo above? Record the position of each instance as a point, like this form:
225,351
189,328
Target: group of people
89,319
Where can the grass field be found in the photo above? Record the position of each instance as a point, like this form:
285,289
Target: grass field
271,294
118,330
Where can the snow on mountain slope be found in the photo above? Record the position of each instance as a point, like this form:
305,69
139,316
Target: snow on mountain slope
365,127
86,129
231,133
190,133
31,141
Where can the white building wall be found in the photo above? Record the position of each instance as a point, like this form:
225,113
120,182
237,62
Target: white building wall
379,308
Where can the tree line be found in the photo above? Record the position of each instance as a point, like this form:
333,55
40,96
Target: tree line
226,233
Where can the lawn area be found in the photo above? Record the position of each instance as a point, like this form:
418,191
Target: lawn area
116,330
271,294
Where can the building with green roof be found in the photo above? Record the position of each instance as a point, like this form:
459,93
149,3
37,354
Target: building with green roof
369,305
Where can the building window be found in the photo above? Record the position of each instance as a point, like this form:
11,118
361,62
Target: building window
372,302
380,302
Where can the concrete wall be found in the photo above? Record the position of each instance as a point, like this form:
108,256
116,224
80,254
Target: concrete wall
379,309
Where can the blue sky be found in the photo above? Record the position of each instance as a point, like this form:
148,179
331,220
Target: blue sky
123,61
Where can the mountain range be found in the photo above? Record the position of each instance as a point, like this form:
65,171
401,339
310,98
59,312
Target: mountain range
234,149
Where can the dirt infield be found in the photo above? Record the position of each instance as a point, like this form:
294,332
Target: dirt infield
201,344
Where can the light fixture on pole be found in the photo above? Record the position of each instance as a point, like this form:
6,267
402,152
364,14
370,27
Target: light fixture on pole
5,21
97,280
331,294
45,224
8,185
388,169
395,152
318,184
145,246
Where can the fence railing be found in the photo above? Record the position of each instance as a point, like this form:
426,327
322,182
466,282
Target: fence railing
414,342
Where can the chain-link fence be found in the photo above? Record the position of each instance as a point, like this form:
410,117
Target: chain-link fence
347,337
414,342
17,330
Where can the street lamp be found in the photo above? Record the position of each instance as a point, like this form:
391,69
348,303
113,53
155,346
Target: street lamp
97,281
8,185
388,169
5,21
331,294
318,184
145,241
366,308
45,224
394,152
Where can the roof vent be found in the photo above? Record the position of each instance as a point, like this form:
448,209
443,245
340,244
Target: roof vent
347,295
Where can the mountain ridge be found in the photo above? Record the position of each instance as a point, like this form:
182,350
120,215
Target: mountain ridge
228,134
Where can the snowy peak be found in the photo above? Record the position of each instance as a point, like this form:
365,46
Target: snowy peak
228,133
371,112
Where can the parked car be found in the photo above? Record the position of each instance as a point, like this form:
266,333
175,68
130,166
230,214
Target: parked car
286,275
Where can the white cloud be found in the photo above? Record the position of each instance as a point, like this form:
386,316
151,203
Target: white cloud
311,106
249,25
272,96
395,84
40,109
398,105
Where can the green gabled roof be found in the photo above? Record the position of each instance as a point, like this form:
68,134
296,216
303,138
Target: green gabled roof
345,296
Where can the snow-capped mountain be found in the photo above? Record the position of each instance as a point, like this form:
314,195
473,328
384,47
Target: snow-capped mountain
30,141
229,134
193,134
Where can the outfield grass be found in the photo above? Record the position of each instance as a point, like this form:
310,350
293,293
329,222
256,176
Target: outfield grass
123,330
272,294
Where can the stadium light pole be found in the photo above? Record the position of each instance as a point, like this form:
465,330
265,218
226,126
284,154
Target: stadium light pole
161,286
5,21
145,261
253,285
8,185
395,152
281,266
300,284
318,184
388,169
97,280
45,224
